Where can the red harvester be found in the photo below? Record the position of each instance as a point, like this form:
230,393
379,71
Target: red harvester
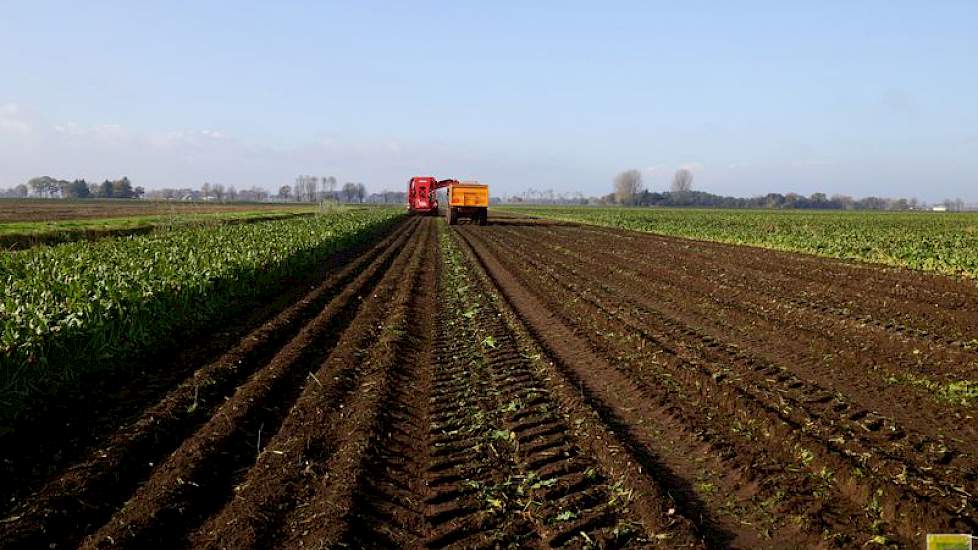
467,199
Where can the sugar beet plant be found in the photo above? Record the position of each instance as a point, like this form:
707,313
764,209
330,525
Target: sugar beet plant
944,242
80,307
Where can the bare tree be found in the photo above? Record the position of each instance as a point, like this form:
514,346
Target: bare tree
361,192
312,184
349,191
628,185
307,188
284,192
38,186
682,182
329,185
205,190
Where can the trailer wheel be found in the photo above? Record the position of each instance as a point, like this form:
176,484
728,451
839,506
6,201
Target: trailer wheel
452,216
483,217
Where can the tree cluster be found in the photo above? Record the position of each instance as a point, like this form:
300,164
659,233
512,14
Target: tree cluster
48,187
772,201
210,192
628,190
545,196
315,189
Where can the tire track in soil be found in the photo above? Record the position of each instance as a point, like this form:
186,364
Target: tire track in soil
84,495
920,466
591,452
485,458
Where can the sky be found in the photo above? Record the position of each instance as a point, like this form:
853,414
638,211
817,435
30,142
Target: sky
862,98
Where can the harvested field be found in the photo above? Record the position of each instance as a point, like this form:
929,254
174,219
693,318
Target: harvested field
50,222
28,210
536,383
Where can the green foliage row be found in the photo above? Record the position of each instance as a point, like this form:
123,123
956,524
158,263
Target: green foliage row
18,235
81,307
933,241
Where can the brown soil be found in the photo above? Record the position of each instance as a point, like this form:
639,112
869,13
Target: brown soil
541,384
27,210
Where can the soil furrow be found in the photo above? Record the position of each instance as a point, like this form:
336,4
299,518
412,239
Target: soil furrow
293,460
627,298
89,489
75,434
589,391
540,384
402,346
772,293
917,464
873,284
201,471
913,497
649,412
889,294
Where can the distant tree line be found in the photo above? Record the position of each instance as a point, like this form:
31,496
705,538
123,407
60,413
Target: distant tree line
316,189
311,189
53,188
209,192
304,189
629,190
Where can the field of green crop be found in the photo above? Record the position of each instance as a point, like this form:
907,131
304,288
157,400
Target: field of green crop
933,241
22,234
80,307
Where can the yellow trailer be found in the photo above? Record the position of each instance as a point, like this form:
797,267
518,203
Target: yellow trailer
468,199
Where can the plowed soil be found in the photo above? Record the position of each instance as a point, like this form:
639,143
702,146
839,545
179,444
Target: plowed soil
24,210
543,384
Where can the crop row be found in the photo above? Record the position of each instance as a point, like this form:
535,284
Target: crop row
25,234
943,242
81,307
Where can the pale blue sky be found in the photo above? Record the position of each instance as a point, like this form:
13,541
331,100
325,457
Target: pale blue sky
857,97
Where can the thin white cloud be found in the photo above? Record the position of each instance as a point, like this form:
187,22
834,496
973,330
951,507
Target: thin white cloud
14,120
188,157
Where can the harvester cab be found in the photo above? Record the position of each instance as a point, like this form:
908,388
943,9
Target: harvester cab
421,195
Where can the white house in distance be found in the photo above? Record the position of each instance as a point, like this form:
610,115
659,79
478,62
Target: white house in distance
939,209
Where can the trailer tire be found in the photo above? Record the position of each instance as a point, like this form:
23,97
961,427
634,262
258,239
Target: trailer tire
452,216
484,217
